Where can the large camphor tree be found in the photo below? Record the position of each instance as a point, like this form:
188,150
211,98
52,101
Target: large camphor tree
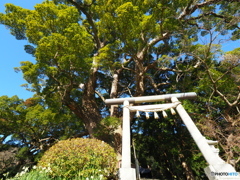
86,51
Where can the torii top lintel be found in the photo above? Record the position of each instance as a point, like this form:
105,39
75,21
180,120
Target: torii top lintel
155,98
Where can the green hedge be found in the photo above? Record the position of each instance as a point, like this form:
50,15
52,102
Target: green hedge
82,158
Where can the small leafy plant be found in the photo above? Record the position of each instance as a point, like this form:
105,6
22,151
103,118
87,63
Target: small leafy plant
37,173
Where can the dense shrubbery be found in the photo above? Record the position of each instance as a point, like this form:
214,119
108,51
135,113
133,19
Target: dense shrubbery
80,157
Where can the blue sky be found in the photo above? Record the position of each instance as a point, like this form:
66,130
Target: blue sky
12,53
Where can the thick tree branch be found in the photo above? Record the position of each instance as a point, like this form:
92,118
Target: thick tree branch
158,38
186,10
140,54
190,8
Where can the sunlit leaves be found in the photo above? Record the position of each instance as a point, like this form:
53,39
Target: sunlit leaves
15,20
232,58
109,54
231,63
62,46
47,18
32,120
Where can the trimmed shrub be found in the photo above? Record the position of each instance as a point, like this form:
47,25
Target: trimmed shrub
82,158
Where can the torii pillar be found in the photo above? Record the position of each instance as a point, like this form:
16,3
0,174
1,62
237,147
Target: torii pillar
126,171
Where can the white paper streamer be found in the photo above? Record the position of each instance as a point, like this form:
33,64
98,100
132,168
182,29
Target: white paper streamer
173,111
154,108
147,115
138,114
164,114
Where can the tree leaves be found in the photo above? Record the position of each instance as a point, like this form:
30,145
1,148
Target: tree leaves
33,124
15,20
128,48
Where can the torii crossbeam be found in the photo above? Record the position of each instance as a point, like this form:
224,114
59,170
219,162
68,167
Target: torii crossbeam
210,153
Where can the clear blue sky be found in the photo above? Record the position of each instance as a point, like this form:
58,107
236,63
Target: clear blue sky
12,53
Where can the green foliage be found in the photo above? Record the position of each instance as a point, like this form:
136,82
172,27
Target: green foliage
37,175
32,120
33,126
169,147
112,122
153,47
59,42
108,54
107,127
81,157
40,173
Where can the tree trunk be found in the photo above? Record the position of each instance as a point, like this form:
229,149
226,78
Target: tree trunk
91,113
88,111
114,112
139,68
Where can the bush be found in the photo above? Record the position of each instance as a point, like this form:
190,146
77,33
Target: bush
82,158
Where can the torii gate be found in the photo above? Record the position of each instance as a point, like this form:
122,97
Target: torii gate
218,169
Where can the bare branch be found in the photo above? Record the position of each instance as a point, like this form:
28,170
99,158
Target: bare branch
81,134
206,14
128,69
226,100
237,160
100,95
153,83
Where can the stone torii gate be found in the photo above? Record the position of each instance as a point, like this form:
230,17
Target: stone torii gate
218,169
